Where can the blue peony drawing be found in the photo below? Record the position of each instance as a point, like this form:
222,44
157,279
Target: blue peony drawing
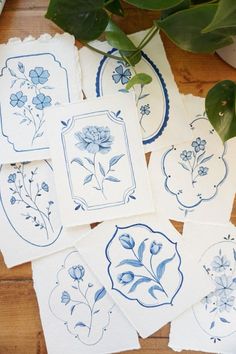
81,302
144,265
216,312
95,140
30,111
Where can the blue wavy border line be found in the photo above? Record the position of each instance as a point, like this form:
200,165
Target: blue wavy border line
203,199
167,102
76,335
129,191
8,219
110,263
1,75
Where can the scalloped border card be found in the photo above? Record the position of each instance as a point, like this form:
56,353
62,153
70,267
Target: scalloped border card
162,115
30,223
98,159
210,325
36,74
146,268
195,180
77,314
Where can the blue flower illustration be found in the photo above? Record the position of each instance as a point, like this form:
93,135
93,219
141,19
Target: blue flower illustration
225,303
18,99
145,109
65,298
224,285
94,139
41,101
127,241
45,187
125,278
155,247
186,155
39,75
199,144
203,171
12,200
121,75
220,264
12,178
208,299
77,272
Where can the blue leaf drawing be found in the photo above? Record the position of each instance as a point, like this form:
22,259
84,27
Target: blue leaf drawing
89,161
139,281
72,309
123,90
152,289
212,324
63,123
207,158
78,160
132,262
234,254
162,267
96,312
200,156
88,179
21,67
143,96
102,169
78,207
115,159
12,72
213,310
99,294
224,320
184,166
141,250
112,179
80,324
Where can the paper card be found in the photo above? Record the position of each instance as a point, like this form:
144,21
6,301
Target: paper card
2,3
211,324
77,314
98,159
30,222
146,268
36,75
162,116
195,180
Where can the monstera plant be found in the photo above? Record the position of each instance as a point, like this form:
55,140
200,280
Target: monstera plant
197,26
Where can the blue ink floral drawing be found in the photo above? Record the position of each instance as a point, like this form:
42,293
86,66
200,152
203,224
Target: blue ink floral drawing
26,192
194,160
140,267
96,140
30,111
81,302
218,308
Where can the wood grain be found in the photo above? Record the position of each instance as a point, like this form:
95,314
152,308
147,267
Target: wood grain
20,328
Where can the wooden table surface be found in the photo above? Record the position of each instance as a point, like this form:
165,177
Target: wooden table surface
20,328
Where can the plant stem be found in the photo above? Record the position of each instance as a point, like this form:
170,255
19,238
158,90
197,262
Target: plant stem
101,52
151,33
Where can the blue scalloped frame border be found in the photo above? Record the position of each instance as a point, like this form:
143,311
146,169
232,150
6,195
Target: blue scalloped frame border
110,263
160,77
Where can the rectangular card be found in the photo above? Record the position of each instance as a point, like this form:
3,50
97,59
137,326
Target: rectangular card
98,159
146,268
36,75
195,180
78,316
210,325
162,115
30,223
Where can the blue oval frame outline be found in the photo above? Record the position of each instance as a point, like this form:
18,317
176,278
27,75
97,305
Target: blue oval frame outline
163,84
110,263
8,219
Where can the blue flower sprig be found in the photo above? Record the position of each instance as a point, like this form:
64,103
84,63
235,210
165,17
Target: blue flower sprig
192,160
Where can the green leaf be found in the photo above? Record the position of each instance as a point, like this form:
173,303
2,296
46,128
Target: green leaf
221,108
85,19
185,4
117,38
185,27
115,7
139,79
225,16
154,4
